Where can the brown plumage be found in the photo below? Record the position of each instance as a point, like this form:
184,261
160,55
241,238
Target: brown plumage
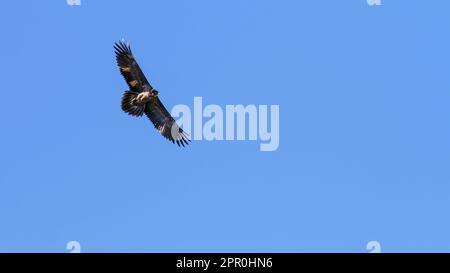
142,98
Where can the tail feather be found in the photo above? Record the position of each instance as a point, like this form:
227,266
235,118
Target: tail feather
129,106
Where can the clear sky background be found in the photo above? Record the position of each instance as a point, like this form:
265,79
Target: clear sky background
364,151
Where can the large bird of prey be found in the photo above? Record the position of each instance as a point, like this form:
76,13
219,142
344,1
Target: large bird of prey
142,98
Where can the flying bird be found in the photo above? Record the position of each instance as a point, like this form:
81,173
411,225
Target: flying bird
142,98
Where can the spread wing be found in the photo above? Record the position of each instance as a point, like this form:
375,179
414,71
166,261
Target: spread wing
165,123
130,69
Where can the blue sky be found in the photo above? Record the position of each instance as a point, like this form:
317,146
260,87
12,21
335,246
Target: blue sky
364,134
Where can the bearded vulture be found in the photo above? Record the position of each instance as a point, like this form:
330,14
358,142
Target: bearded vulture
142,98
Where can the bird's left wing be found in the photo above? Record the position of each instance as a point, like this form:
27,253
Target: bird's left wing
130,69
165,123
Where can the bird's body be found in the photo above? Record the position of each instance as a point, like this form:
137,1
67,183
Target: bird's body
142,98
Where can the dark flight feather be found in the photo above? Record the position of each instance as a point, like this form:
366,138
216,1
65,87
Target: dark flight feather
165,123
130,69
129,107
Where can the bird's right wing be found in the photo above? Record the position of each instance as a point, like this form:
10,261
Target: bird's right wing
130,69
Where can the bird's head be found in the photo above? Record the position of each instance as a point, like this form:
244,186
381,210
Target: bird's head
155,92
